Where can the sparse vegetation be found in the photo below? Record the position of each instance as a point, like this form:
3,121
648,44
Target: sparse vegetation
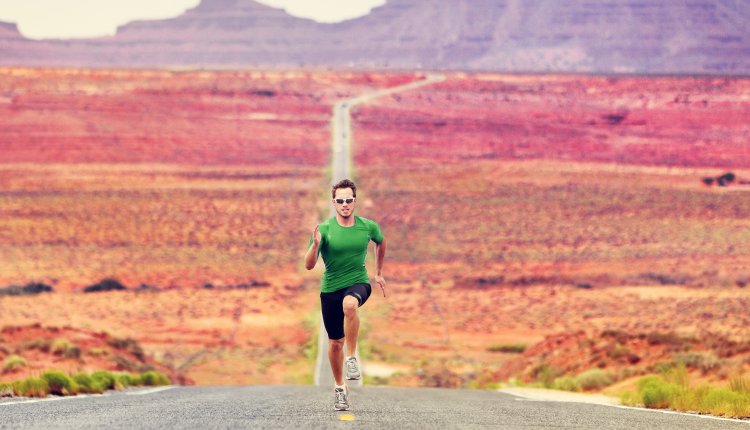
154,378
60,346
87,384
59,383
31,387
107,284
566,383
29,289
672,390
13,363
515,348
594,379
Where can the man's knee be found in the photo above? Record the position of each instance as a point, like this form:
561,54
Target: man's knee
336,345
350,305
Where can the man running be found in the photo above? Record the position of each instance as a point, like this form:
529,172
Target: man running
342,241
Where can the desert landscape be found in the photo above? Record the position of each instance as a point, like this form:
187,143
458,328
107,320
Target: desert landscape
538,226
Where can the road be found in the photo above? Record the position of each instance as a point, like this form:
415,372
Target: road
310,407
341,163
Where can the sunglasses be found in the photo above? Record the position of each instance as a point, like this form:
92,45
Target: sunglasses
342,201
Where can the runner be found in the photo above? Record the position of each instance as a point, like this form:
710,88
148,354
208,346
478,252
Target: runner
342,241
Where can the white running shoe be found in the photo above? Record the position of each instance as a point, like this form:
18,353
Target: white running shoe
352,368
342,402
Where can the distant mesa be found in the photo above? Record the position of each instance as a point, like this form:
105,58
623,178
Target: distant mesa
618,36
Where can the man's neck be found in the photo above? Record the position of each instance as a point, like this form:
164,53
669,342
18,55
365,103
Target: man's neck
345,222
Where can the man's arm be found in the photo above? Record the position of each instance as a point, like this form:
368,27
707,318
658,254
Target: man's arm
311,257
380,253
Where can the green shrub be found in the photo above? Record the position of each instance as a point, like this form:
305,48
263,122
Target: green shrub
677,375
59,383
13,363
31,387
740,384
87,384
672,390
106,379
516,348
594,379
721,401
657,393
567,383
153,378
6,389
128,380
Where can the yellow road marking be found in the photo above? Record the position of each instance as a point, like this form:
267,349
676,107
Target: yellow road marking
346,417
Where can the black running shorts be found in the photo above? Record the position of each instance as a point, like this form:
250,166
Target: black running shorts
332,305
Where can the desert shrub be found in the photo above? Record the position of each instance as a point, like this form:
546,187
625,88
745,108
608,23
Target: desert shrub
740,383
618,351
567,383
13,363
673,391
31,387
29,289
123,363
6,389
60,346
99,352
677,374
153,378
73,352
511,348
59,383
594,379
40,344
129,345
655,392
721,401
545,374
128,380
106,379
107,284
697,360
87,384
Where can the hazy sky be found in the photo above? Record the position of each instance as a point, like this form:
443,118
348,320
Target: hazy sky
39,19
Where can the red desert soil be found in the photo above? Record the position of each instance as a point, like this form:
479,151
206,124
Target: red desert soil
518,210
73,350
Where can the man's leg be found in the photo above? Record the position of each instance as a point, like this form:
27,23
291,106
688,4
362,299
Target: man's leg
351,324
336,357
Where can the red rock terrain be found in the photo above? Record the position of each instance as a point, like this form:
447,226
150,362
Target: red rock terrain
73,350
517,209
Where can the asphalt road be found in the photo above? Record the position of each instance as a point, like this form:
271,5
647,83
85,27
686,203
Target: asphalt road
303,407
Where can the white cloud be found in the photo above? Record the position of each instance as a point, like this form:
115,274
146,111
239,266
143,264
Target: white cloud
325,10
40,19
43,19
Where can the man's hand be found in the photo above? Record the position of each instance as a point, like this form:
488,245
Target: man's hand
316,236
381,283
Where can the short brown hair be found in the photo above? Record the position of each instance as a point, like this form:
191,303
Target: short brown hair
344,183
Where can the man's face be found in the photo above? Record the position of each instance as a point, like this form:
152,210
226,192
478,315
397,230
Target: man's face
344,202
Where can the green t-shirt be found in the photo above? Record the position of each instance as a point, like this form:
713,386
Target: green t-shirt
344,250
